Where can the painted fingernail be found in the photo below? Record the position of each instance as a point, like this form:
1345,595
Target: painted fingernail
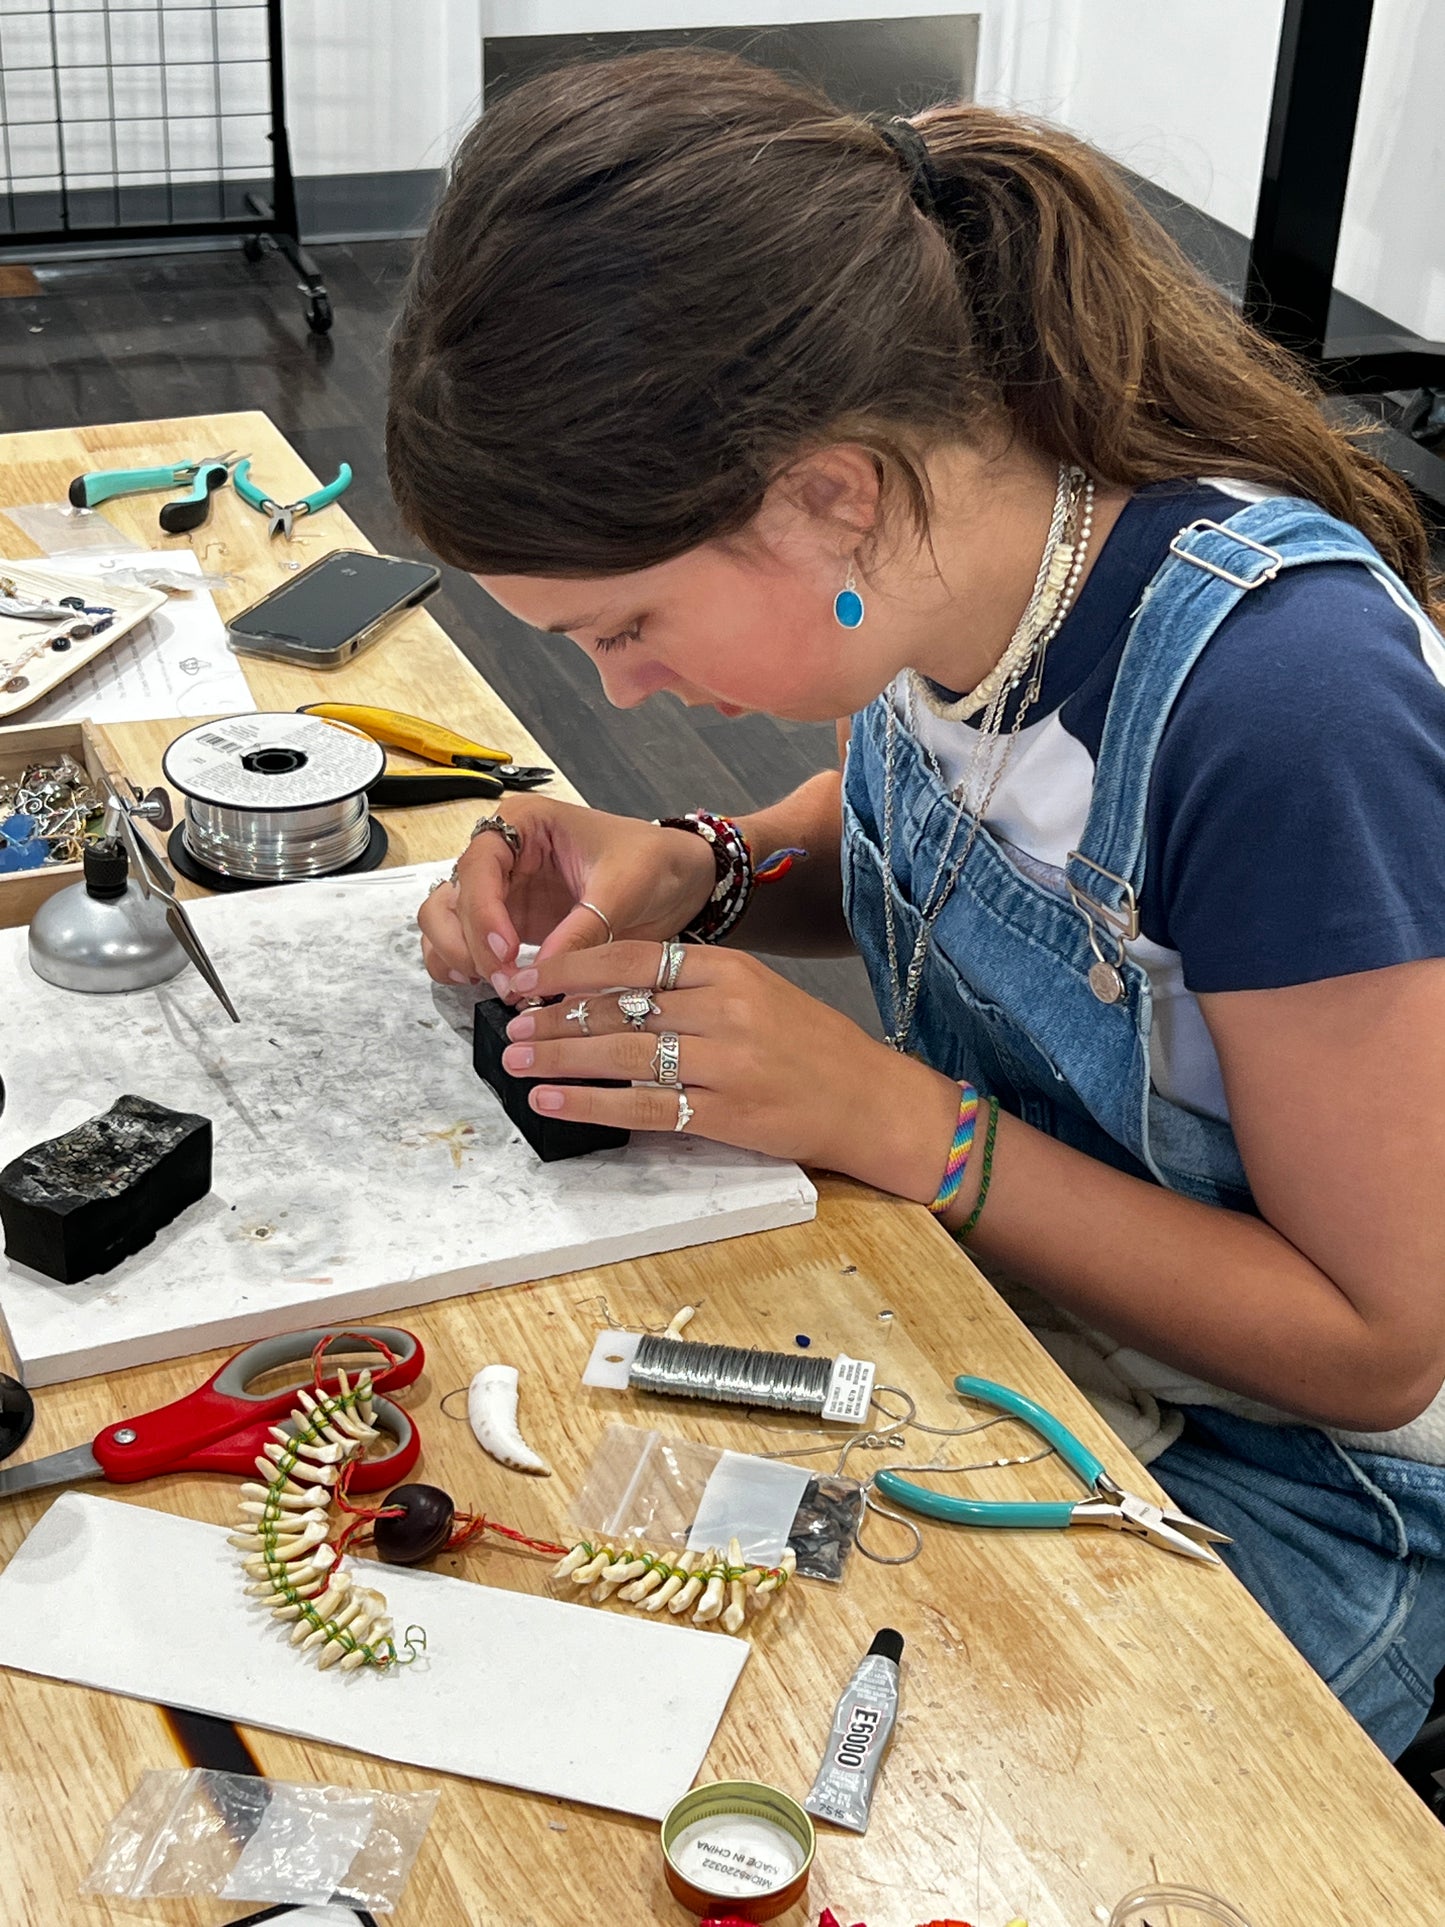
525,980
547,1100
518,1057
458,976
523,1026
497,944
501,982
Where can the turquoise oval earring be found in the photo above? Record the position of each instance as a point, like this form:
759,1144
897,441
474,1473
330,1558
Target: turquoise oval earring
848,604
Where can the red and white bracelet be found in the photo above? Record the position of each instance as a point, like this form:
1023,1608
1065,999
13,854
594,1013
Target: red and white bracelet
733,888
737,874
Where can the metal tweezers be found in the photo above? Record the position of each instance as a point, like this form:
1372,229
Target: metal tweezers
155,879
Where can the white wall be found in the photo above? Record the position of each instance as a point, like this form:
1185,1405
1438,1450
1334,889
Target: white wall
1180,93
1392,248
1177,90
375,86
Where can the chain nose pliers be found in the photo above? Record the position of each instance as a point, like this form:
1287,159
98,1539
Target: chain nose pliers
206,474
1107,1503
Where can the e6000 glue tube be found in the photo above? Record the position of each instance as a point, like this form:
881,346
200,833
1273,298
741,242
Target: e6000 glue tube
862,1727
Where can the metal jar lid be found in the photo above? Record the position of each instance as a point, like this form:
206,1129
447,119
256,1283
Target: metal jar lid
738,1842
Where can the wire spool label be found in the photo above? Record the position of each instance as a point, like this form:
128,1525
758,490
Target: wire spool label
849,1390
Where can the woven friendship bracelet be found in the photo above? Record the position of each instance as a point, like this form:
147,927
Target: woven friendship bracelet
958,1151
965,1229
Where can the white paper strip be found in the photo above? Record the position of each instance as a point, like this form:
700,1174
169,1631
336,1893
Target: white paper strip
571,1701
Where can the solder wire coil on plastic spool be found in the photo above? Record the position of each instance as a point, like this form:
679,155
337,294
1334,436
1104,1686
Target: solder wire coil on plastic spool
274,797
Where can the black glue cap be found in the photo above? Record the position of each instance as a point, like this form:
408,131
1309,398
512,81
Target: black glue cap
886,1645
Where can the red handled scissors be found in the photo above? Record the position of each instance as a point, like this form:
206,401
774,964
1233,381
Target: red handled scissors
222,1427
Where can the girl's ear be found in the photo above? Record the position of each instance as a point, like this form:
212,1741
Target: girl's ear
833,494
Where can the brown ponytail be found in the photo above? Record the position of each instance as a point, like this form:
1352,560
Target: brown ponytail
653,282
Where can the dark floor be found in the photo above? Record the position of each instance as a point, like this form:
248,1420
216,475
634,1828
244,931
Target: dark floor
204,332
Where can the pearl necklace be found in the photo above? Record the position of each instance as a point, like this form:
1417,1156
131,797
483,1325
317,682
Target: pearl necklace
1055,586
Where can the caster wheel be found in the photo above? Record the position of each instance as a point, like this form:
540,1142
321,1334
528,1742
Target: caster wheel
318,314
251,247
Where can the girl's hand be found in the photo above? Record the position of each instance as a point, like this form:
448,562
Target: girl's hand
650,882
764,1065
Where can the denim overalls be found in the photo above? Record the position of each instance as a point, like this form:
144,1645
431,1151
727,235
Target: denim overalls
1345,1549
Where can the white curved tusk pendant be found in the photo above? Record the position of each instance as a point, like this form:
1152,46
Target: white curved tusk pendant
492,1412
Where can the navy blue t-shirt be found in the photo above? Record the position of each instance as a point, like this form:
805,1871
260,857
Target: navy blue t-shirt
1296,819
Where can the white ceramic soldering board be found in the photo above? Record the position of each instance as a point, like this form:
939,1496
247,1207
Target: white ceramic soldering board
361,1165
579,1702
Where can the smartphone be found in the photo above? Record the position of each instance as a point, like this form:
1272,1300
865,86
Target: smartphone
333,609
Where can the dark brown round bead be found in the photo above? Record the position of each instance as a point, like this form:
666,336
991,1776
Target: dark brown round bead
421,1530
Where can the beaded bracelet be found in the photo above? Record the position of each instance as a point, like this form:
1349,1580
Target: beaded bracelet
958,1151
733,861
977,1212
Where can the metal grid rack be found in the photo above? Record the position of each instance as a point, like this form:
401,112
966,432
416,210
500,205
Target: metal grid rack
141,120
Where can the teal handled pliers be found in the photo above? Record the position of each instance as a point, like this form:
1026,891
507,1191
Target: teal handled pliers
205,474
1108,1503
281,515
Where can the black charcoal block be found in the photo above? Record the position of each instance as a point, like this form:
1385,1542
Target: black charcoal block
75,1205
550,1137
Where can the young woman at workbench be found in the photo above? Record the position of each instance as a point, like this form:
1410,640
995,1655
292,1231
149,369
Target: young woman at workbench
1140,833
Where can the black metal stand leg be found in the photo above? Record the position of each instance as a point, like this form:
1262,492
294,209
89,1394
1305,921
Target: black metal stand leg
1297,230
281,218
318,303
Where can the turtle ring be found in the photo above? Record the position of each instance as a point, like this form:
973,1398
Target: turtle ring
637,1006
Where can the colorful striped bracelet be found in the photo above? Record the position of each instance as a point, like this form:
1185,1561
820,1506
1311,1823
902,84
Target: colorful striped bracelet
981,1200
958,1151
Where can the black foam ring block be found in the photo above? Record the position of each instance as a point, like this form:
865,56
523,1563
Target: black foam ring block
76,1205
550,1137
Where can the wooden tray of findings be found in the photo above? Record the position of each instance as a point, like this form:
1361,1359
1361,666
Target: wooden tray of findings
22,747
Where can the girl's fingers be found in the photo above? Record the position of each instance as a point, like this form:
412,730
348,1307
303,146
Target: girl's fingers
443,943
682,1011
601,967
485,871
580,929
647,1108
629,1056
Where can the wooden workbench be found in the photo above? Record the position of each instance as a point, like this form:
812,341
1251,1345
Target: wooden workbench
1081,1713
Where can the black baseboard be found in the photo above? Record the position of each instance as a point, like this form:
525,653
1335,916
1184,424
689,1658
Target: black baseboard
333,207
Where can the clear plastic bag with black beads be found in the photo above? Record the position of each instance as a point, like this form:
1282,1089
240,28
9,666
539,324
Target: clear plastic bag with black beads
649,1488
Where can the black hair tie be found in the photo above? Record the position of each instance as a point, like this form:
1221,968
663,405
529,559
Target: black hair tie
925,185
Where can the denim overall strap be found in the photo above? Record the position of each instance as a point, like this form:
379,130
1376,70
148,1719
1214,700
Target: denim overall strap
1212,566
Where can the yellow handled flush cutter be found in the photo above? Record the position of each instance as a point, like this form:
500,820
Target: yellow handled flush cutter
467,768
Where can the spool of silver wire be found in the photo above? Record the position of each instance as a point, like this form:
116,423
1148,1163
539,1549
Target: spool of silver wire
274,798
786,1381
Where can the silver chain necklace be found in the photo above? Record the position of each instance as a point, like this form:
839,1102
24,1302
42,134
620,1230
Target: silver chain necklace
1055,586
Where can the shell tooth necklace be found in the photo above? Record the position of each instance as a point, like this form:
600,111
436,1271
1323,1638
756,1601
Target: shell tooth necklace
1056,584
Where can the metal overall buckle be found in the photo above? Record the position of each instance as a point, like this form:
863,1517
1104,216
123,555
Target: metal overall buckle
1274,560
1106,927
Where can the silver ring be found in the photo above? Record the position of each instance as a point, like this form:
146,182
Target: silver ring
441,883
666,1057
583,904
636,1007
684,1110
499,826
669,968
578,1016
